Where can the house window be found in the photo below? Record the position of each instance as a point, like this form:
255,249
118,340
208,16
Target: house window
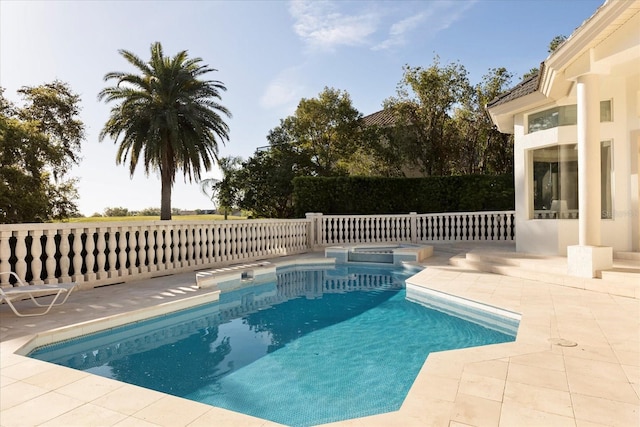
606,174
555,181
558,116
606,115
564,115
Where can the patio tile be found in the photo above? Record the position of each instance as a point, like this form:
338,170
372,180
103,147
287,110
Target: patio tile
442,367
39,410
583,423
55,377
26,368
476,411
482,386
488,368
612,390
541,377
605,411
87,416
594,369
89,388
5,381
547,360
128,399
17,393
630,344
604,353
538,398
134,422
514,414
172,412
433,387
632,372
427,411
383,420
223,417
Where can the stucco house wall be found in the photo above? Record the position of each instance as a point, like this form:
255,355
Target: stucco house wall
606,46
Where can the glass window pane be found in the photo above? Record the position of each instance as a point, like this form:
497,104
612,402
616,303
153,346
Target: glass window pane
555,182
565,115
568,115
543,120
605,111
606,182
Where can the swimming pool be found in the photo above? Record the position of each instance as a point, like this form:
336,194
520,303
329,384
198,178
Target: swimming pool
314,346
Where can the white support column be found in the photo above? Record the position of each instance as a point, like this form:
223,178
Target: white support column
588,257
588,161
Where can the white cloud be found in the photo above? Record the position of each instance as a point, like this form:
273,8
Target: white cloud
283,90
321,26
398,30
439,16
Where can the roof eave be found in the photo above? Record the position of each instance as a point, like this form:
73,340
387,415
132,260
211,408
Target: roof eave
503,115
572,58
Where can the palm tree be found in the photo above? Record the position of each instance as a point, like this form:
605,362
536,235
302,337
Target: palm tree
167,116
225,191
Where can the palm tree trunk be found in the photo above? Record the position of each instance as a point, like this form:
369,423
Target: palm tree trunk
165,198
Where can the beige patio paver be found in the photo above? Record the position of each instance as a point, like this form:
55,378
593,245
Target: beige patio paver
38,410
476,411
539,398
524,416
128,399
605,411
541,377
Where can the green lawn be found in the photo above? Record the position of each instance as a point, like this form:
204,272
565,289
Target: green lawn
152,218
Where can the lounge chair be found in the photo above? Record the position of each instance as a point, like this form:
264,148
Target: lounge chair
21,290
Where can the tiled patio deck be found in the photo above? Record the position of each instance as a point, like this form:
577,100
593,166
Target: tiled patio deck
533,381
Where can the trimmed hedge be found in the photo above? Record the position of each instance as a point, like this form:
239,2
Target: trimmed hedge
376,195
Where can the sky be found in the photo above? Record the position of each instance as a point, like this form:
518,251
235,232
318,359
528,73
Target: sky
269,55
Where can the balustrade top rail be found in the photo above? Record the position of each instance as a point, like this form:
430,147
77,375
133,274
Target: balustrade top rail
100,253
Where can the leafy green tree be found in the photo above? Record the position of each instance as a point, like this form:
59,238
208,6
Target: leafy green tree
327,129
482,149
224,191
266,179
39,142
167,116
149,212
116,211
424,130
556,42
322,138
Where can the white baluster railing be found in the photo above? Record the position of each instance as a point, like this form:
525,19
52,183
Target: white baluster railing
413,228
105,253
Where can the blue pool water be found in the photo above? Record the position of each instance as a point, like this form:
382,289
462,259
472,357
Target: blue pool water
312,347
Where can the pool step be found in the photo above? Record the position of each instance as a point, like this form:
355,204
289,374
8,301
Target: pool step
505,267
623,279
632,256
237,273
626,266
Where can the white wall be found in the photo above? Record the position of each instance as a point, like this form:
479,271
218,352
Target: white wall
622,232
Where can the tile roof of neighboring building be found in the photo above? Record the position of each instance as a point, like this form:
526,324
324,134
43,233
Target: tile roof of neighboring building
525,87
379,118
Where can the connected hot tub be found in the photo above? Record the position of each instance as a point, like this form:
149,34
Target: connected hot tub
383,254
